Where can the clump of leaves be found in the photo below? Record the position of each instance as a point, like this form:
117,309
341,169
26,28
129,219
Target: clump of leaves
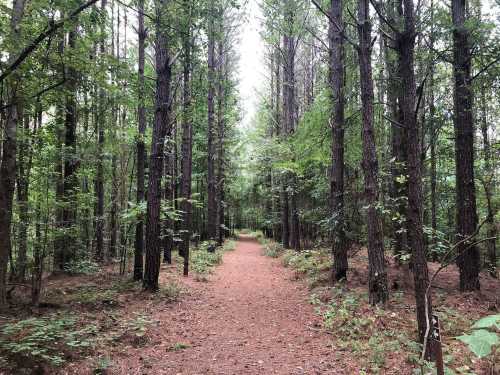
82,267
48,340
178,346
484,338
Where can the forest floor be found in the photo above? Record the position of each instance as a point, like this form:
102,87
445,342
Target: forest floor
251,315
249,318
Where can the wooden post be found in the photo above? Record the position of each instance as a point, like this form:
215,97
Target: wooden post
436,345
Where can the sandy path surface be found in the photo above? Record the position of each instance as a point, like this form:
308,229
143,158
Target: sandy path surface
250,318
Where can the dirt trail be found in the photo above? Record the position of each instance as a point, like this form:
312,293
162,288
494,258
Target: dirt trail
250,318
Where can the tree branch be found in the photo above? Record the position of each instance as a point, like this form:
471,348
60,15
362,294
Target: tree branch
332,20
53,27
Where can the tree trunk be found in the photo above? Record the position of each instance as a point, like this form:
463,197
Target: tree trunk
161,130
99,182
220,144
8,162
186,148
377,280
141,149
168,192
211,219
466,217
23,180
337,85
433,134
489,190
405,46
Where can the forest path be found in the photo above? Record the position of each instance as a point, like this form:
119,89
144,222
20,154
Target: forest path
250,318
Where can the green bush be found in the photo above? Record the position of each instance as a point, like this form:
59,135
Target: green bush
202,262
229,245
82,267
272,249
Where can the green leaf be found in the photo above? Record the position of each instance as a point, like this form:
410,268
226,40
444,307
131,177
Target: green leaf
488,322
480,342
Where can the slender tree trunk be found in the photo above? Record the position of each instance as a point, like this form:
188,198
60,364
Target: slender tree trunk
186,148
141,149
289,121
336,79
405,45
489,190
399,186
23,181
8,162
161,130
211,178
433,134
99,182
466,216
168,191
113,221
220,140
377,281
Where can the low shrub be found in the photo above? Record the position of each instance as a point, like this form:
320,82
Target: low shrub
272,249
82,267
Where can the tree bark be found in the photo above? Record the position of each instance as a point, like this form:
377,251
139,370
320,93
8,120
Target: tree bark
377,280
161,129
99,182
8,161
466,216
489,190
211,219
405,46
25,157
336,78
186,148
141,149
221,123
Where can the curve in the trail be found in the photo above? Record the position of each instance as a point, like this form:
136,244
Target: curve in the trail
250,318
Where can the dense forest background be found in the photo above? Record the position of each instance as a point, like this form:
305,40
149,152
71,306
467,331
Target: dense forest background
377,128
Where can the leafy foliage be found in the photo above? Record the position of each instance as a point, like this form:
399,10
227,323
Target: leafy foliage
484,337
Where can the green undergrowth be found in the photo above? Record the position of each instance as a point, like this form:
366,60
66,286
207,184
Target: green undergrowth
369,333
271,249
90,316
202,262
53,340
379,338
50,340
